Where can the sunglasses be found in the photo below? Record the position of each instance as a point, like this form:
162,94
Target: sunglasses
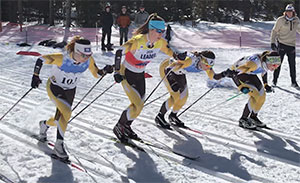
84,55
208,62
160,30
273,60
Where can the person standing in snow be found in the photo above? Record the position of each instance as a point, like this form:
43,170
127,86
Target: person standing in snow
141,16
244,74
177,85
123,21
61,85
139,51
284,31
107,23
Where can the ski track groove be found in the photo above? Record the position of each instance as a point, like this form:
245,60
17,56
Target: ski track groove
147,119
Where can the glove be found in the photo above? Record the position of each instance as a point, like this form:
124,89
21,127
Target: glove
175,86
118,77
245,90
36,81
274,47
108,69
229,73
180,56
269,89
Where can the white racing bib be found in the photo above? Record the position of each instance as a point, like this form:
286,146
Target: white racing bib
63,79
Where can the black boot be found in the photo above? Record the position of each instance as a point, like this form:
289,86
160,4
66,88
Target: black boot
175,120
160,121
256,121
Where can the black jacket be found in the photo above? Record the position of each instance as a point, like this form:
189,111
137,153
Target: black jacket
106,20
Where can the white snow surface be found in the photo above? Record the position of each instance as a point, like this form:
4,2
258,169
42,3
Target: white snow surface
227,153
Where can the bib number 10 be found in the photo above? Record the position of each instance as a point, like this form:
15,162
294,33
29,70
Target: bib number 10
69,81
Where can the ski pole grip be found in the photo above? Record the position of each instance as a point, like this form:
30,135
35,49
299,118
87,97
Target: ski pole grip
118,58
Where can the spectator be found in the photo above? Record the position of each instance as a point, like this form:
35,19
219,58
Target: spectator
141,16
284,32
123,21
106,22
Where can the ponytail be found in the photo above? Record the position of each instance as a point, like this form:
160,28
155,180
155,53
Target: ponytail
71,44
144,29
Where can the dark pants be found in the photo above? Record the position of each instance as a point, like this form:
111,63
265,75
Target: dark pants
65,95
254,81
123,35
137,82
290,52
106,31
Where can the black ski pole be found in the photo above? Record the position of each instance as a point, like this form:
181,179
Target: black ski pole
16,103
158,85
92,102
88,92
155,99
196,100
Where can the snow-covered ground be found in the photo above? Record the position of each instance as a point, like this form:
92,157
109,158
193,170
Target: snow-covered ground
227,153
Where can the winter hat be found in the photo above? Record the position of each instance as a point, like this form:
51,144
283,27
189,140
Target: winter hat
107,5
289,7
209,57
83,46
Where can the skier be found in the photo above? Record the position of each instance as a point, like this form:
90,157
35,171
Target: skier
284,31
61,85
177,85
244,74
139,51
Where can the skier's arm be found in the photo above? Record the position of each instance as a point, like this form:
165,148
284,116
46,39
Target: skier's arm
99,72
48,59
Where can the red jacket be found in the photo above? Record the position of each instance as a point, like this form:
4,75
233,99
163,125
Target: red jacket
123,20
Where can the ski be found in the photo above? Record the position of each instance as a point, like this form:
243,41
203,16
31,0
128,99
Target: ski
129,144
54,156
166,149
188,128
296,95
5,179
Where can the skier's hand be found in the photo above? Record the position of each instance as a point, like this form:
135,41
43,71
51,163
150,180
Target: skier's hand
274,47
229,73
269,89
118,77
245,90
108,69
180,56
36,81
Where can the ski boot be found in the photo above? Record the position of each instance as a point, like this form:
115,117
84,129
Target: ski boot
160,121
43,130
257,122
175,120
130,133
247,123
119,131
59,150
295,85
